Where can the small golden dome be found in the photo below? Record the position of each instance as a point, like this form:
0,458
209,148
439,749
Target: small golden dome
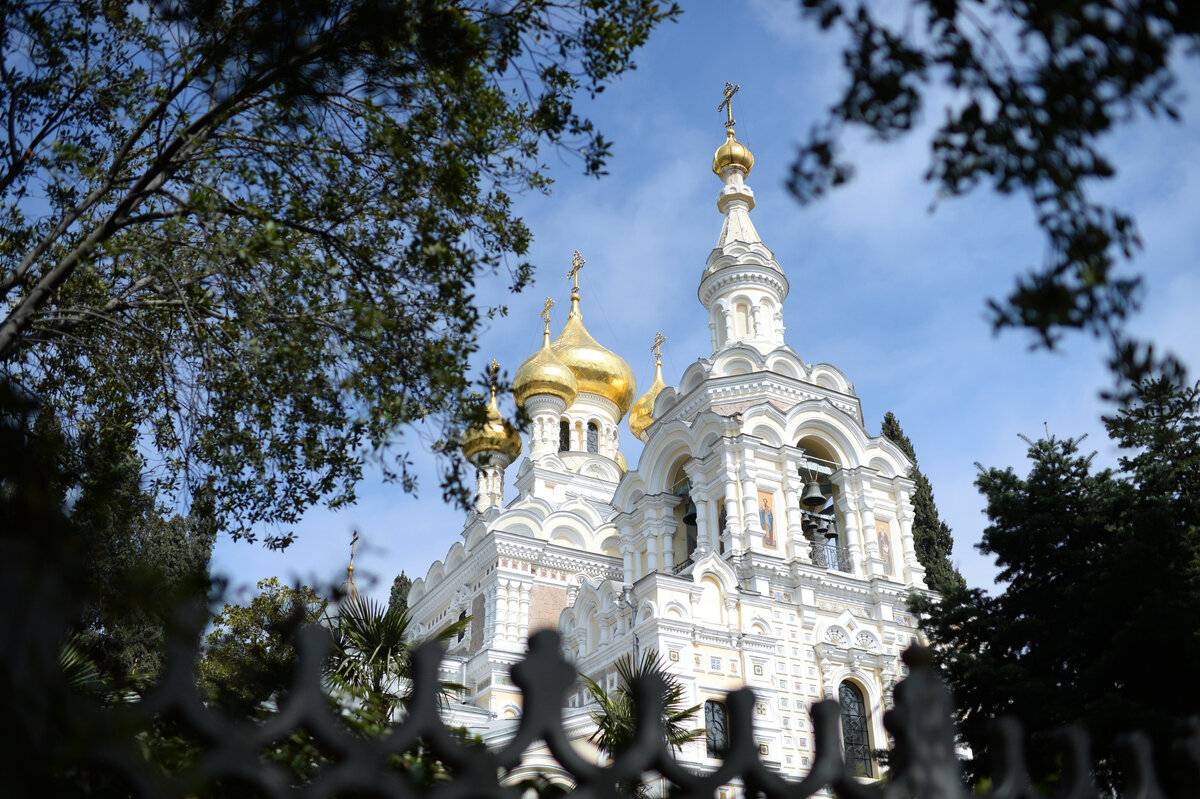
732,153
544,373
598,370
622,464
494,435
642,414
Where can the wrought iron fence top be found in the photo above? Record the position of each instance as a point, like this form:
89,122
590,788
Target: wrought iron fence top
922,762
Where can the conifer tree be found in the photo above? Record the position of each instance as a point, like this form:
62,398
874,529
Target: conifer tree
932,538
398,599
1101,603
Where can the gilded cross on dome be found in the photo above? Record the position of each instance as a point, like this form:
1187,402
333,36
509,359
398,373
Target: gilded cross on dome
577,263
546,311
656,348
727,105
493,372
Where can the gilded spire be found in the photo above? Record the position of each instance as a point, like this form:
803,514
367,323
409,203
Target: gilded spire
495,435
598,370
351,588
577,263
641,416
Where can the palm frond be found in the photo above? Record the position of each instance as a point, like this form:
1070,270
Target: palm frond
616,715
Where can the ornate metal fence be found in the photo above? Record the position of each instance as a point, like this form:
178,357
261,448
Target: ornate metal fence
922,760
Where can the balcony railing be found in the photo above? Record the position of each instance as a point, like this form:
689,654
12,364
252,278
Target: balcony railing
828,555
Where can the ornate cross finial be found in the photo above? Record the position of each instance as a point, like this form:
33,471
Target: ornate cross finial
656,348
494,370
546,311
577,263
351,587
727,105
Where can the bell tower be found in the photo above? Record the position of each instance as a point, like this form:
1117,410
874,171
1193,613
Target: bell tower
742,287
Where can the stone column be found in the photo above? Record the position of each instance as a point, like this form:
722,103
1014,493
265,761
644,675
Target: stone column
627,561
700,500
512,612
797,546
652,547
703,542
750,506
733,524
847,507
873,563
523,622
501,603
668,542
545,411
489,617
904,512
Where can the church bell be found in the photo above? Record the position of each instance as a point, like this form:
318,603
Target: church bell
813,496
689,513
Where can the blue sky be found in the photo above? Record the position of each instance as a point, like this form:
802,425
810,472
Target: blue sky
884,285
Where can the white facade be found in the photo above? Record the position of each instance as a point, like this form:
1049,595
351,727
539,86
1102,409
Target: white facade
706,551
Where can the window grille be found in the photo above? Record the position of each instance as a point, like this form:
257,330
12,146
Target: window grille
716,736
856,739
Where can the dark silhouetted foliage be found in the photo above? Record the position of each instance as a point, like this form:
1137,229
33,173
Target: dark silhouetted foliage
1032,88
1099,617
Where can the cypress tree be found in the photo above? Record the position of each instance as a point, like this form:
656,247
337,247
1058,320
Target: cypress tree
398,599
932,538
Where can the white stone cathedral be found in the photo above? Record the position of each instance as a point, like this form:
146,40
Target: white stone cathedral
764,539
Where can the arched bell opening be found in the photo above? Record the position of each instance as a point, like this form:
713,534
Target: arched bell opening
820,518
687,528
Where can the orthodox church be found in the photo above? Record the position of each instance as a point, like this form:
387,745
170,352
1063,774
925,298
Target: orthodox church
764,539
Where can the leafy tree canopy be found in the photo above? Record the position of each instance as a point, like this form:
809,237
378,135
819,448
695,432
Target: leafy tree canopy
250,230
1101,568
932,538
250,651
1035,85
143,565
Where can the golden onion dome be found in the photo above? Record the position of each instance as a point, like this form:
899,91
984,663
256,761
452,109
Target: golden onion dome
598,370
642,414
494,435
732,153
622,464
544,373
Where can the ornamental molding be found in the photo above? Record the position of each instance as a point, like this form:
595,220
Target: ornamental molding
725,277
733,392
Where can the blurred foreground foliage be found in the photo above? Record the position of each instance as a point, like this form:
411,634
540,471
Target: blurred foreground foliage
249,232
1028,91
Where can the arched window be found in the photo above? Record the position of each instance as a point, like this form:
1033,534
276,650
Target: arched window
564,435
593,437
856,739
716,735
741,320
461,618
